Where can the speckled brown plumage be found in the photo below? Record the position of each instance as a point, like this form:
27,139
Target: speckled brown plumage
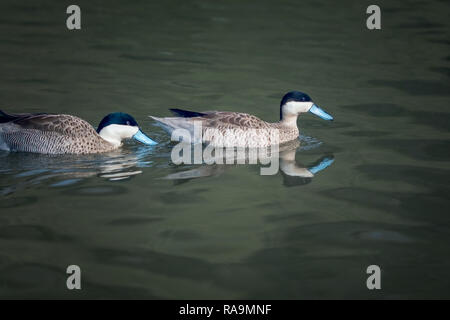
233,128
50,134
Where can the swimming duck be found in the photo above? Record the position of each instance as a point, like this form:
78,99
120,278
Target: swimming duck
66,134
235,129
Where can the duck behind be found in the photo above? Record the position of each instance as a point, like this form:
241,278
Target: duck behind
66,134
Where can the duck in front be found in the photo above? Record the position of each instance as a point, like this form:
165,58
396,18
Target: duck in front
236,129
66,134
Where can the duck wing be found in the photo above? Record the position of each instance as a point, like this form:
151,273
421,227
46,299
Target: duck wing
219,119
233,120
58,123
9,117
187,114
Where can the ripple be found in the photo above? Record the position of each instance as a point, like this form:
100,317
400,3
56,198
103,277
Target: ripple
366,133
97,190
437,120
290,181
329,125
415,87
309,143
384,236
442,70
157,262
365,197
30,276
65,183
120,175
31,233
420,24
24,170
158,59
181,235
435,150
132,221
433,178
17,202
377,109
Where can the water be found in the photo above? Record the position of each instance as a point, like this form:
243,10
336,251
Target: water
142,227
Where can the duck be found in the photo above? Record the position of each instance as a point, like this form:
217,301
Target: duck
236,129
288,165
47,133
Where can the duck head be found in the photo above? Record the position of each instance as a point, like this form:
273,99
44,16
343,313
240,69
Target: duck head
296,102
118,126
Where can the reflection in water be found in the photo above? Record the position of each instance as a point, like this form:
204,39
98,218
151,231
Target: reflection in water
23,170
291,170
62,170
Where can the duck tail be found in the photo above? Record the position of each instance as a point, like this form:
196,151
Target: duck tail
4,117
187,114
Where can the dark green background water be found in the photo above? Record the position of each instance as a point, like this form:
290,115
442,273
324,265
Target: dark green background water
235,234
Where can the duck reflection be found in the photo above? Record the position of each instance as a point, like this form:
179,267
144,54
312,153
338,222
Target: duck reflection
293,172
125,165
22,170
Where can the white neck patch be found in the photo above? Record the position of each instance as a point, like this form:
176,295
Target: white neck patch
293,108
115,133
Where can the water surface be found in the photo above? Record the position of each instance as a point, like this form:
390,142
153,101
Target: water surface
141,227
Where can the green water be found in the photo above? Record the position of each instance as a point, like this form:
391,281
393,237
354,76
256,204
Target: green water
231,233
